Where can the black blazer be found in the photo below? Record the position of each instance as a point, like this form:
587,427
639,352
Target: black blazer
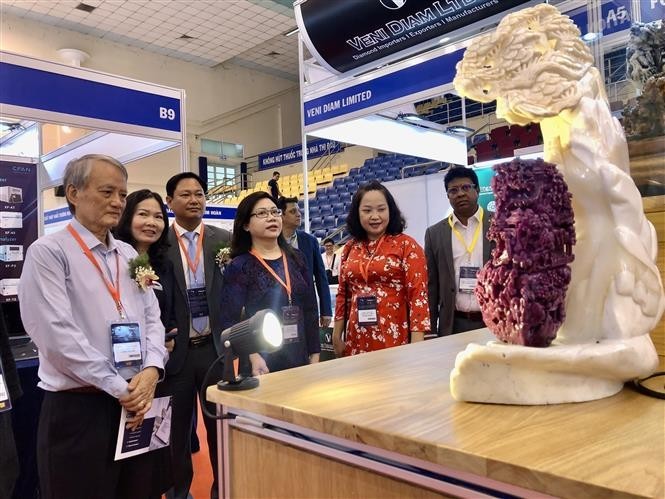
441,273
164,270
212,236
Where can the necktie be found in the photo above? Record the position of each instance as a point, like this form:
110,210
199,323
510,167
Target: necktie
196,279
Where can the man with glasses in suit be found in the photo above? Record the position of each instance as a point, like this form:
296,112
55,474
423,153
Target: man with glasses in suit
456,248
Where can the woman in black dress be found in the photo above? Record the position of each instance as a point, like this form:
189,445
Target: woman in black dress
144,225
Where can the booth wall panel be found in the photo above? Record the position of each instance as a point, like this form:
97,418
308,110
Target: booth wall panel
266,468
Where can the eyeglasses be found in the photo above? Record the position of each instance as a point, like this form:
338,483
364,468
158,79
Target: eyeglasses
464,188
275,212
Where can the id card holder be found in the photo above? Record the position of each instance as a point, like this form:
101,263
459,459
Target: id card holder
468,278
126,344
290,317
367,312
5,399
198,302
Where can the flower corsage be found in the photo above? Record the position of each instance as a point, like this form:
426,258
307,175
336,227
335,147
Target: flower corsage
141,271
223,256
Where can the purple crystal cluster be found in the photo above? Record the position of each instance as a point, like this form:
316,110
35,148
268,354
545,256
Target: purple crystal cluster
522,288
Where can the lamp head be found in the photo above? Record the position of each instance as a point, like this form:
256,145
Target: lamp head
260,333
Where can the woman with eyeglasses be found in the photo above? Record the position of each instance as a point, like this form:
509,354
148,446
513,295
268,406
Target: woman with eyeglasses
265,272
382,293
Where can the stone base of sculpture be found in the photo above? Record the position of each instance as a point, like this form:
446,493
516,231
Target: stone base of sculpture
511,374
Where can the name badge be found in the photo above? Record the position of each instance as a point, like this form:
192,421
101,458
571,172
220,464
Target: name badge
198,302
126,344
290,318
468,278
367,313
5,400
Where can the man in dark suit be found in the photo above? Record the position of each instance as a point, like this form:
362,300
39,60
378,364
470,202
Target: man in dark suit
309,247
456,248
198,287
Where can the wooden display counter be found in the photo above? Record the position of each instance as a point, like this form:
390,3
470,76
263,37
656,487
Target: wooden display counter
385,425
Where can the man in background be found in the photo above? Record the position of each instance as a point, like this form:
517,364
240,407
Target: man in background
75,291
198,278
456,248
274,186
331,261
309,247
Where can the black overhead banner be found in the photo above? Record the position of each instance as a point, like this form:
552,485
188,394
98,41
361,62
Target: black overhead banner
347,34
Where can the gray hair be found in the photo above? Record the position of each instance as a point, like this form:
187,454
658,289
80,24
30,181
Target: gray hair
78,171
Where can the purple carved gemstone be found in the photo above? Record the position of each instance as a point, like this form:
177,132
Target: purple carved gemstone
522,288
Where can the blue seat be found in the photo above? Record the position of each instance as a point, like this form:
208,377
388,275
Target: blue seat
379,174
345,197
314,211
333,198
319,233
321,199
329,222
338,209
325,209
433,169
395,171
315,223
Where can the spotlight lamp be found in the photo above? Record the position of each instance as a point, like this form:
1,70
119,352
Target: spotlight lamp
260,333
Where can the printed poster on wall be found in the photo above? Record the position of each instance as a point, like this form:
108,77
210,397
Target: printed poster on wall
18,222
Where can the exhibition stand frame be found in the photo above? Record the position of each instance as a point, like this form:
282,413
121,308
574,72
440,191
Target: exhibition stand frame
364,105
124,118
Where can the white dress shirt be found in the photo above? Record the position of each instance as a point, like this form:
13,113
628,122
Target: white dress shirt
466,302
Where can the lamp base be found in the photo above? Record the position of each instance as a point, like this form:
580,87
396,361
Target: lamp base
240,383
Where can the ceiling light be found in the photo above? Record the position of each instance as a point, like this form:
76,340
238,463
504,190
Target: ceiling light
444,39
65,129
460,130
590,37
412,117
85,7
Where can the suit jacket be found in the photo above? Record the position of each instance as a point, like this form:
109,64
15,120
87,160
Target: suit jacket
441,273
310,249
212,236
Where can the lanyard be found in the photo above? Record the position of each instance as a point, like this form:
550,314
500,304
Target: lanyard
469,249
287,285
199,249
364,269
114,291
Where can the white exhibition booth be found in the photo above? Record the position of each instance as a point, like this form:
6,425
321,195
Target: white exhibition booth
372,103
124,118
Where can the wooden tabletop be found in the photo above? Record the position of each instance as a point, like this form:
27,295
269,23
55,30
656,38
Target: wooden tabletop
399,400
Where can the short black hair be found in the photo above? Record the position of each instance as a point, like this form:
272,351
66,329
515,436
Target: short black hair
275,173
328,240
173,182
460,172
241,241
123,231
396,222
283,201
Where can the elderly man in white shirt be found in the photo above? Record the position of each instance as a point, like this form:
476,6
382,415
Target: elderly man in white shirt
77,301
